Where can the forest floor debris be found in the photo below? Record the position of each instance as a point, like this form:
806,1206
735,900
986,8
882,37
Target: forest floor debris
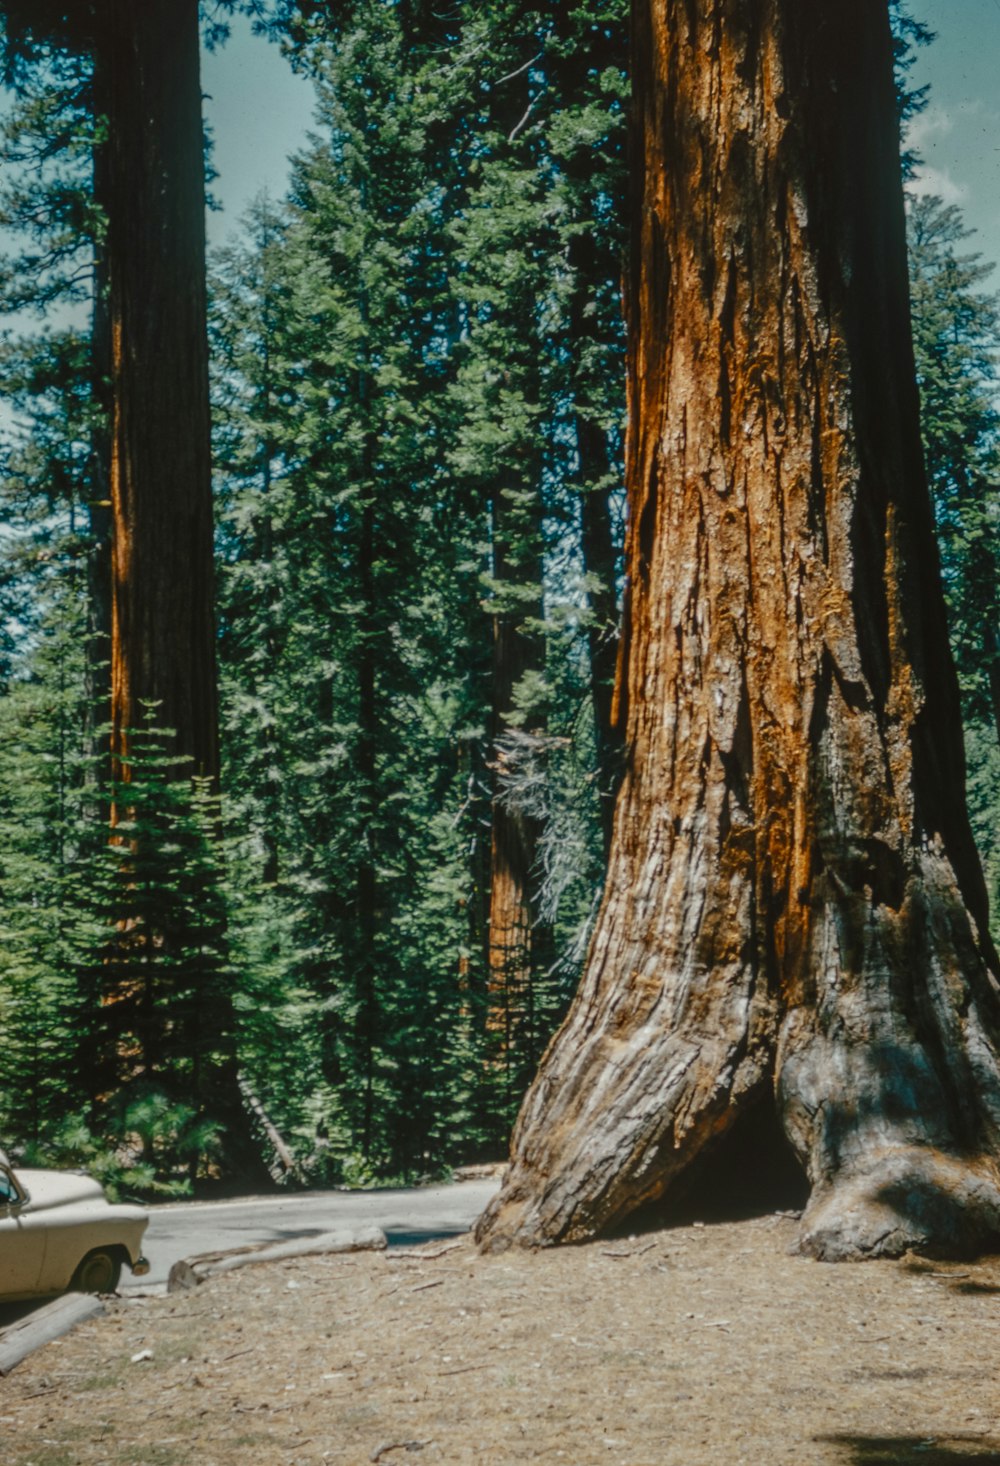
705,1346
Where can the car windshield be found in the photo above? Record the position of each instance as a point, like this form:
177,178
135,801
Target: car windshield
8,1191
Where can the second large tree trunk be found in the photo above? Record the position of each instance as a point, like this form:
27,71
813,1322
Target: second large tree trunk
163,648
794,911
163,636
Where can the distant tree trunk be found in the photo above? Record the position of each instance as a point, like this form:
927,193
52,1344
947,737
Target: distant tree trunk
163,634
271,792
600,562
991,654
99,507
514,936
366,881
794,912
594,259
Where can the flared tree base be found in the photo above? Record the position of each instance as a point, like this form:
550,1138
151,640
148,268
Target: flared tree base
885,1089
906,1200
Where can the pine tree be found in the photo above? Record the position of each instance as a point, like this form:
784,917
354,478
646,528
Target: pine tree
160,976
340,592
485,232
957,337
46,853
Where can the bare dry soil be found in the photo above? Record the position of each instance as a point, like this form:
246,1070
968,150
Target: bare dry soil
699,1346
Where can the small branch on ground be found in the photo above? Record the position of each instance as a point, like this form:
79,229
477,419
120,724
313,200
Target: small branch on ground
381,1451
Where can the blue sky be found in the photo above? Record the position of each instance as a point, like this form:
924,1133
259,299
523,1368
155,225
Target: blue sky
959,134
259,112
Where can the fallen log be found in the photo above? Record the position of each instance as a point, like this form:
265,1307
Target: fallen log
191,1271
47,1323
283,1155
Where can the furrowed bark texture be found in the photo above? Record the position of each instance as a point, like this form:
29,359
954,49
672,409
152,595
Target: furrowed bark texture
162,614
794,906
163,638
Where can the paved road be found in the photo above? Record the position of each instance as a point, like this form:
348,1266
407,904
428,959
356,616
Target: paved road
410,1216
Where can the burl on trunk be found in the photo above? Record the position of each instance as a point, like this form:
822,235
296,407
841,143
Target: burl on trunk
794,909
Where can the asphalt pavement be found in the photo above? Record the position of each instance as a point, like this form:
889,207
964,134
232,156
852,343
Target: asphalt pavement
408,1217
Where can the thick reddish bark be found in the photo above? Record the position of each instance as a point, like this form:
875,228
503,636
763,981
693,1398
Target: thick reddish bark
163,651
794,906
163,638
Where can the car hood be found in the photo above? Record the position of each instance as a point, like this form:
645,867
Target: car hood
57,1188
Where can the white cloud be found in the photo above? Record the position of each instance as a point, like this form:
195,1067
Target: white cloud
938,181
927,134
928,127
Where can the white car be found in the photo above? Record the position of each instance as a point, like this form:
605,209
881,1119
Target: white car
58,1230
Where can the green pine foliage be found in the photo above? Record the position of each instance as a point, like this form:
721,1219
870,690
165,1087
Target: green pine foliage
47,774
161,965
956,337
44,923
956,319
398,471
343,582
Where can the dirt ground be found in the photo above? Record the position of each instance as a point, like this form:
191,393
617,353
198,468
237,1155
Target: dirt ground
707,1346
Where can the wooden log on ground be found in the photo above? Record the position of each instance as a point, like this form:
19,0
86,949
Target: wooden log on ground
47,1323
191,1271
285,1161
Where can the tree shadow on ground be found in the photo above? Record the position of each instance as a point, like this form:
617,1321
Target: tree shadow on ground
397,1235
957,1282
915,1450
11,1313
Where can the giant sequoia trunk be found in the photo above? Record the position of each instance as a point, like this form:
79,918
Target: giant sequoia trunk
163,655
163,639
794,911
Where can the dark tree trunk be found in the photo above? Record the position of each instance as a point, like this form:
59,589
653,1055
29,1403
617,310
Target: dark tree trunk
594,257
163,649
366,884
163,635
991,655
794,909
99,506
600,563
600,554
515,937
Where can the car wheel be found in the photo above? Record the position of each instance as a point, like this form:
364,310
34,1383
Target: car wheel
98,1273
